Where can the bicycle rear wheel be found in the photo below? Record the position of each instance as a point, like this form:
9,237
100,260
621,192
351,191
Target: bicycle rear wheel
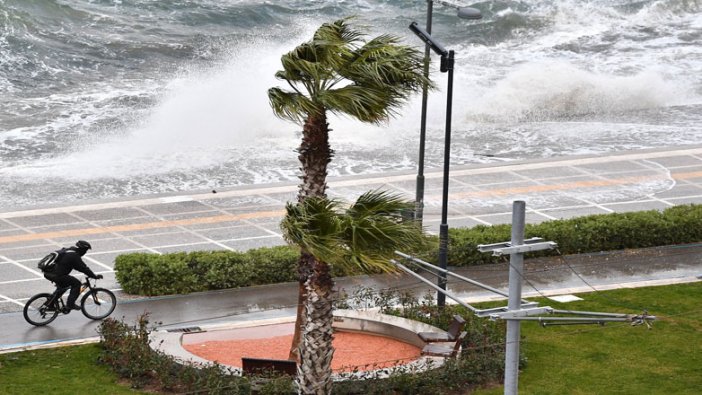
37,310
98,303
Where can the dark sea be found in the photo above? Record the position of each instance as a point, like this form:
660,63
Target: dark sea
116,98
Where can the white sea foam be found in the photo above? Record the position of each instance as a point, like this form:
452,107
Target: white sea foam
559,90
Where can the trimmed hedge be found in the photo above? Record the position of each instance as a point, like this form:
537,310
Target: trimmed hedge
592,233
178,273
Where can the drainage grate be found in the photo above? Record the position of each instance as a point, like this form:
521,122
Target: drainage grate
187,329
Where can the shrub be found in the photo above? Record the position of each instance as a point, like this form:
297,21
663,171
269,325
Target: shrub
179,273
125,349
593,233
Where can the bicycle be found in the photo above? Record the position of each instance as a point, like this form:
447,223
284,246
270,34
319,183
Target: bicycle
96,304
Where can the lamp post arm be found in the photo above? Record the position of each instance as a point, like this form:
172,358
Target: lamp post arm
426,37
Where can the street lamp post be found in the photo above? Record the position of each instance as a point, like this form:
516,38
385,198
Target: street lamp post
447,63
462,12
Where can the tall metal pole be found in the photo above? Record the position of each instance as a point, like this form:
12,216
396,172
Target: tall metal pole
446,65
419,200
516,268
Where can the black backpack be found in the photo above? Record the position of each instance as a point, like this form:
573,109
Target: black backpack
48,263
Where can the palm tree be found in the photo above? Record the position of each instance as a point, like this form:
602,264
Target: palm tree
364,235
339,73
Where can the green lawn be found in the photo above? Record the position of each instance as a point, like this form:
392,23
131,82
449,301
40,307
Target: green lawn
618,358
58,371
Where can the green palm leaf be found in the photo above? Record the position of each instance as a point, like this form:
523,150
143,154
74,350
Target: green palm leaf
364,235
336,71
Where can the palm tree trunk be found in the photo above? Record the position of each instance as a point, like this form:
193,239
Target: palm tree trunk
314,155
316,350
303,271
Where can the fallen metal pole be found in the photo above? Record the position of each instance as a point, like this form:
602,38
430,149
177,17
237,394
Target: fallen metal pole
458,276
592,313
569,319
436,287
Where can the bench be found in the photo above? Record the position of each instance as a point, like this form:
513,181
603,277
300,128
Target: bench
454,330
446,350
262,366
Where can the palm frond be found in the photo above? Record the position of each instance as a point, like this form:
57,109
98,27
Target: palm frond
365,103
306,62
314,226
364,235
290,105
375,227
382,62
337,72
339,33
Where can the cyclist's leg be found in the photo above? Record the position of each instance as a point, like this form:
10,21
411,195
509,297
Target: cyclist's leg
74,283
75,291
60,287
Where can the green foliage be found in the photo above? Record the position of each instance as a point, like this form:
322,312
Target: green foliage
361,237
126,350
593,233
337,72
180,273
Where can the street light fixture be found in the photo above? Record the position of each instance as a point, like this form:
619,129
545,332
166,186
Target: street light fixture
461,12
447,62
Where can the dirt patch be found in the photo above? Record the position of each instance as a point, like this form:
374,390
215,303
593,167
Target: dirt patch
353,351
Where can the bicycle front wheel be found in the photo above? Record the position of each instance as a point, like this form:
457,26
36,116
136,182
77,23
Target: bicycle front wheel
37,310
98,303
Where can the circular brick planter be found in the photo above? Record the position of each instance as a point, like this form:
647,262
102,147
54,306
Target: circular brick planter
352,321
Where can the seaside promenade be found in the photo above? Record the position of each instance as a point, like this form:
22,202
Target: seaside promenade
247,217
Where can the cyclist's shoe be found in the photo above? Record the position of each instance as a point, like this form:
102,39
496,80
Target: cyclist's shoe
74,307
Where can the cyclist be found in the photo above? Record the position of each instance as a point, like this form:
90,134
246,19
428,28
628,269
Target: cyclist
71,259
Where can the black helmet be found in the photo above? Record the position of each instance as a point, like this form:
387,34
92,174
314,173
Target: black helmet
82,244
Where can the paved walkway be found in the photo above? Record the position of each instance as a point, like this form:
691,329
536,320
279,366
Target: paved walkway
248,217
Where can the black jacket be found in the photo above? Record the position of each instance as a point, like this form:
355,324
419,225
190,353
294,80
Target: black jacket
70,260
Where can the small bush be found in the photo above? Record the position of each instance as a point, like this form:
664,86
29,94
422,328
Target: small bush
125,349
